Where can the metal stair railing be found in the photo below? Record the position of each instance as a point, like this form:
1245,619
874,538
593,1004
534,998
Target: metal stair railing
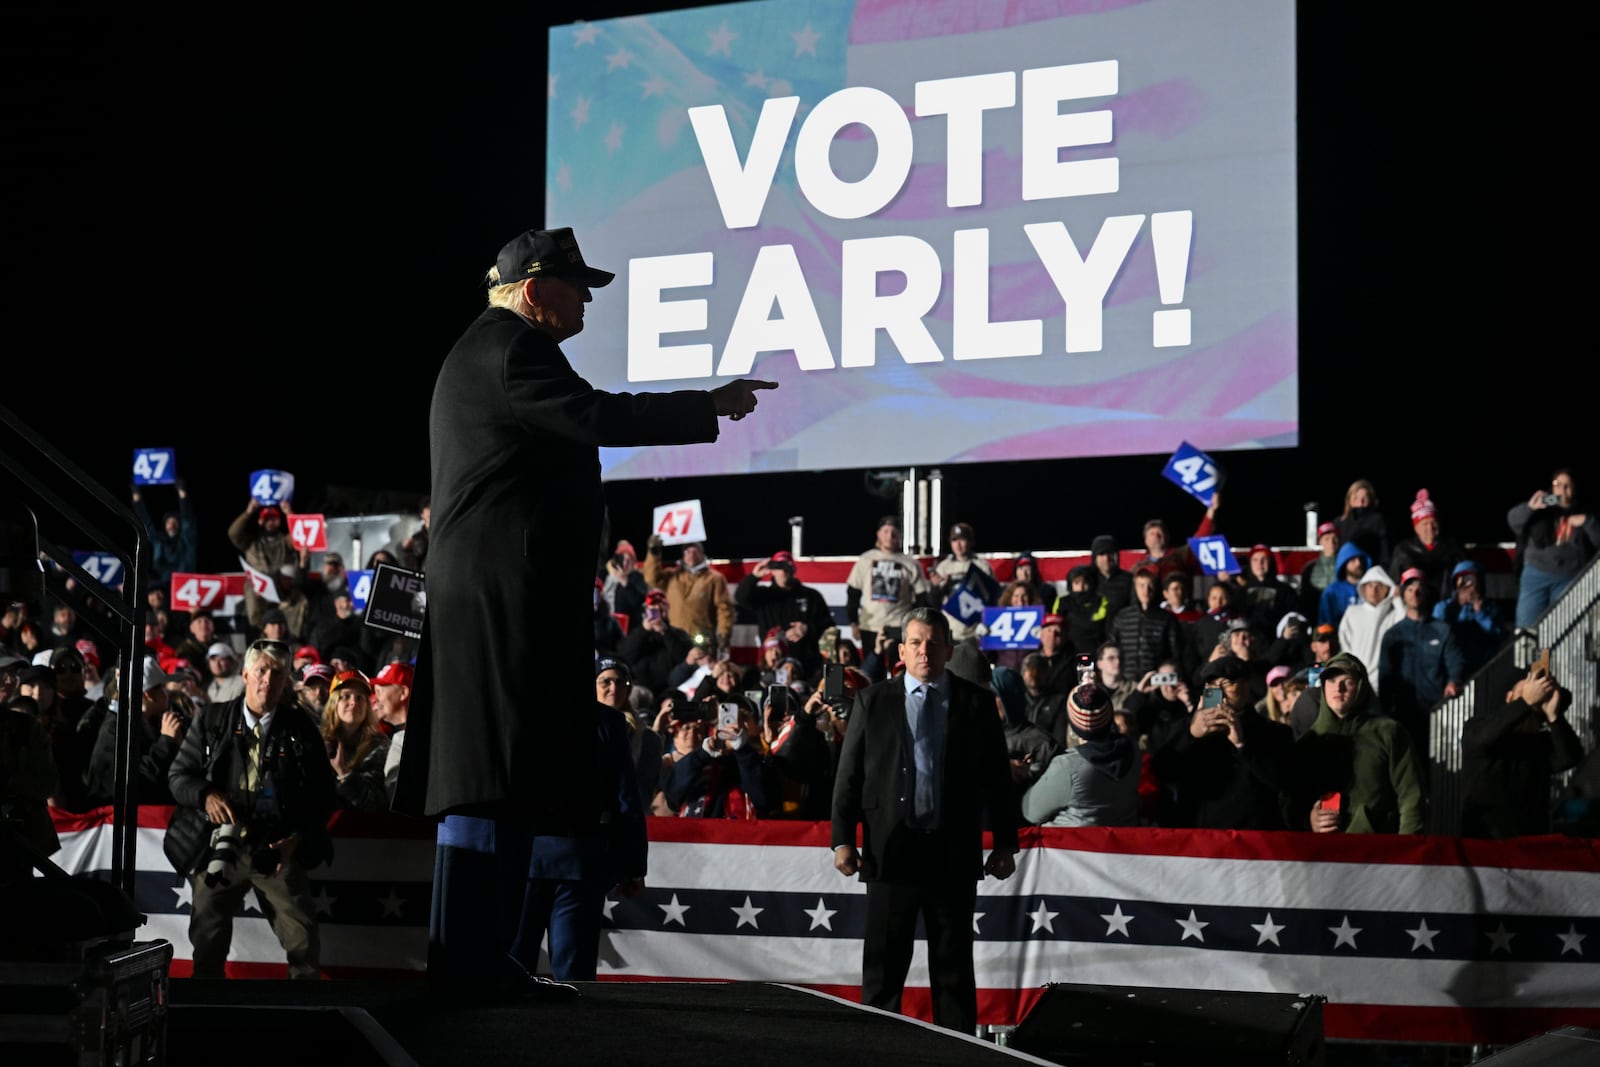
68,504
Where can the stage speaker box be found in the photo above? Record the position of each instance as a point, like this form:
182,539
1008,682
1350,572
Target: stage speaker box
1142,1026
1570,1046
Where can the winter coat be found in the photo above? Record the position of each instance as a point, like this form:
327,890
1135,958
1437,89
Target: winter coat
1366,758
1147,635
502,705
1366,529
1342,592
1509,755
1363,626
698,602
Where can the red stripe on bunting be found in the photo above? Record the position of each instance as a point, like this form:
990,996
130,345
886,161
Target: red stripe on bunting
1550,853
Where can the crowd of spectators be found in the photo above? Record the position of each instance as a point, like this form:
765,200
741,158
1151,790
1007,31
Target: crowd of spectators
1156,695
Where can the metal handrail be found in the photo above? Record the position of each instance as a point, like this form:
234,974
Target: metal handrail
68,503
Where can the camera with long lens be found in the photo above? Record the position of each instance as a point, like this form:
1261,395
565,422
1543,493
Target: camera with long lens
227,845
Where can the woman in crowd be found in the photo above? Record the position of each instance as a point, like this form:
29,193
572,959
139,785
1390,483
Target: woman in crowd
1363,524
355,747
1554,543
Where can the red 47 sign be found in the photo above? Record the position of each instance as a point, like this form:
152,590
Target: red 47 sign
190,591
309,532
680,523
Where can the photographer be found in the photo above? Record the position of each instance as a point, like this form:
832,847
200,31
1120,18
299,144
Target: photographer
156,736
799,761
655,647
256,768
724,777
1229,765
1554,543
1510,753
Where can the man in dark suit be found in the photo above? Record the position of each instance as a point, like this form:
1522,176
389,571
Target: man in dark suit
501,751
924,758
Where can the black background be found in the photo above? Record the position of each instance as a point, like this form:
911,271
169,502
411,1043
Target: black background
254,236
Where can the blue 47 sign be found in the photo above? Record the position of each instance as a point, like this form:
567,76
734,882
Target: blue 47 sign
1194,472
1006,628
154,466
1214,554
103,567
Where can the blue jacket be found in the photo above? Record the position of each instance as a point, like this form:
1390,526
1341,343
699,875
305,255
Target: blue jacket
1341,592
1415,661
619,852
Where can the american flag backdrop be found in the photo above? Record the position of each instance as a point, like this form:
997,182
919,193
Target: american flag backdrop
1409,938
1201,121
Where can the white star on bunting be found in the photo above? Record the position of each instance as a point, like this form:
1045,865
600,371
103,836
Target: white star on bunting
580,112
613,139
1500,940
1192,927
756,80
1422,937
1268,931
656,86
609,906
805,41
975,917
747,914
1042,919
322,902
1116,922
821,915
392,903
184,891
1572,941
674,912
1344,933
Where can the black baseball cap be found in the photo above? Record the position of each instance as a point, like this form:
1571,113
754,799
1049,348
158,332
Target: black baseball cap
547,254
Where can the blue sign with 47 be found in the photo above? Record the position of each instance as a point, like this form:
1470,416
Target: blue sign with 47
1194,472
1214,554
1011,627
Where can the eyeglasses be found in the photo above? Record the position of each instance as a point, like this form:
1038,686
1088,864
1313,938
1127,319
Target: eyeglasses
272,648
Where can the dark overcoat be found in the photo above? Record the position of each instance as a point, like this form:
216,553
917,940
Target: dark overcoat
874,768
501,720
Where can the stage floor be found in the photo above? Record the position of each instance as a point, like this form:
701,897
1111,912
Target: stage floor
662,1024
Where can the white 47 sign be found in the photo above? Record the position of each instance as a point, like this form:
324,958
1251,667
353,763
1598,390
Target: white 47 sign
680,523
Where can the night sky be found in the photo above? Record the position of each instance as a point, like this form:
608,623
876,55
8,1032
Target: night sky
255,242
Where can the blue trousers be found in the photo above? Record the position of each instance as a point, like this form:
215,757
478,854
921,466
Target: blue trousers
1535,593
569,911
480,882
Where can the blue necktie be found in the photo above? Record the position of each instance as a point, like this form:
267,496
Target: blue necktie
922,802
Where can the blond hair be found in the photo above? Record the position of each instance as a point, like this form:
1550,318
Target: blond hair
507,295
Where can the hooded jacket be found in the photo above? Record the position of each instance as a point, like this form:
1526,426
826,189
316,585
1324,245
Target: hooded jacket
1266,600
1363,626
1341,592
1087,613
1367,759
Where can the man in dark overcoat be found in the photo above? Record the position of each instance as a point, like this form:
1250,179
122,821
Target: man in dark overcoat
924,761
502,709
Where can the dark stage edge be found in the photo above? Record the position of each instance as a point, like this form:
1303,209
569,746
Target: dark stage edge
663,1024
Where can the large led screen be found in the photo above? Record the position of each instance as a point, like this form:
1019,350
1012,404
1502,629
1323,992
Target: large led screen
953,231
